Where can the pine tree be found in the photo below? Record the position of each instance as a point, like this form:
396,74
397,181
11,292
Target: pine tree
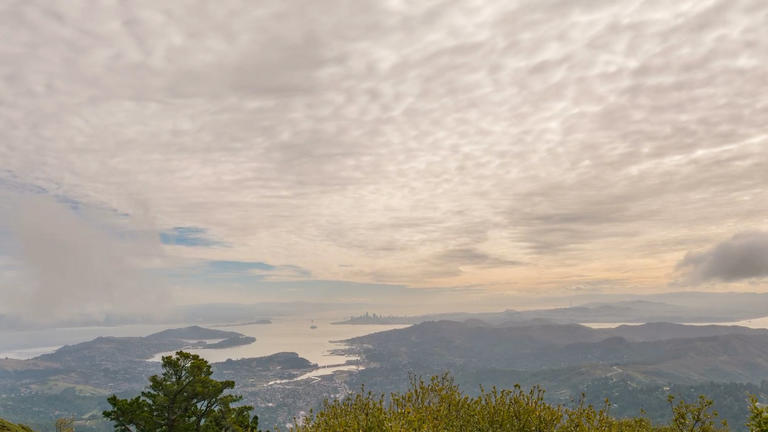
183,398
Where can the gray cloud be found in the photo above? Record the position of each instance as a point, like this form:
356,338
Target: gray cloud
378,134
74,265
743,256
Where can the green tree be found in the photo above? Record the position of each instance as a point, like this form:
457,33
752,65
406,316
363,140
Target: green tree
699,416
758,416
183,398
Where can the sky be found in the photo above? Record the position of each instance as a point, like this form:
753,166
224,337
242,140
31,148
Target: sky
457,153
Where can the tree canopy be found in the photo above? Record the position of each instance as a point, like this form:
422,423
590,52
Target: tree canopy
183,398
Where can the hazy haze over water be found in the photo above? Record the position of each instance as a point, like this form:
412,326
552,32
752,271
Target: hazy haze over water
283,335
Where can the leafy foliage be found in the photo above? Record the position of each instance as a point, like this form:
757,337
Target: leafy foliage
183,398
439,405
758,416
694,416
6,426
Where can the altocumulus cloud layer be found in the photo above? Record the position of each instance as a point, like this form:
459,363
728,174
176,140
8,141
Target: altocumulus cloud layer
507,145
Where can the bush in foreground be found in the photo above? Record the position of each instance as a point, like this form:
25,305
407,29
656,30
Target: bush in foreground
439,406
6,426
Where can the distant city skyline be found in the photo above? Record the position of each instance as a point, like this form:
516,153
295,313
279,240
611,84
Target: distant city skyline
450,154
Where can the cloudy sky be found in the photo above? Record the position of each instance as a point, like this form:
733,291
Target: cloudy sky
353,150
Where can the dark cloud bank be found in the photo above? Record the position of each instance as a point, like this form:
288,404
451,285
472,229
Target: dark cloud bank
743,256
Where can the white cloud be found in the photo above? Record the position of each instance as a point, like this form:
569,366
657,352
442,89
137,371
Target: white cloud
383,134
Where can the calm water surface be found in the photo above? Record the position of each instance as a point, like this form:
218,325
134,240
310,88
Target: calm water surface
283,335
292,335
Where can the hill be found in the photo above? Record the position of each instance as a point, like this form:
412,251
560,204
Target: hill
192,333
653,360
630,311
659,352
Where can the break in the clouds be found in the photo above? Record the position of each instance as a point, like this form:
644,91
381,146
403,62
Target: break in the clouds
427,144
255,271
743,256
188,236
